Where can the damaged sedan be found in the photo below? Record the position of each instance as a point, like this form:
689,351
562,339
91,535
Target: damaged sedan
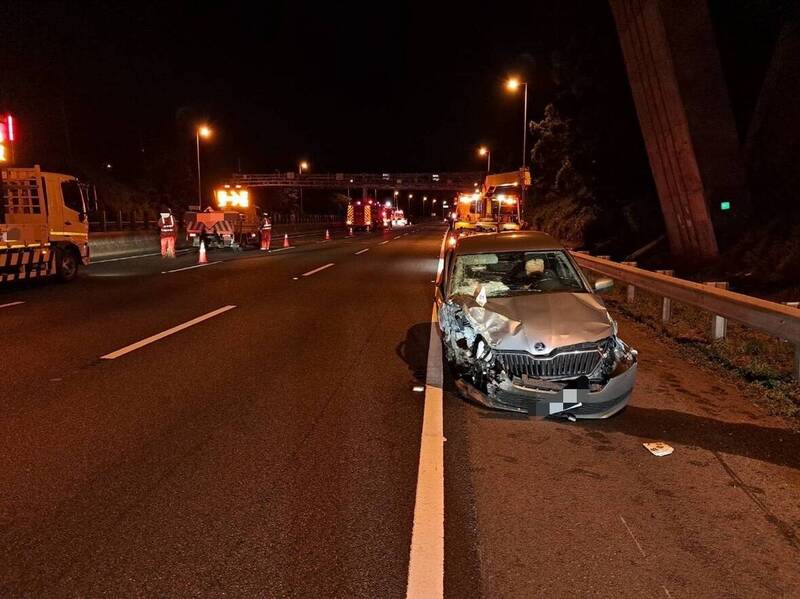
524,331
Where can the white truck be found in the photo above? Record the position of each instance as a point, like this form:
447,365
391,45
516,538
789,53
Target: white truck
44,228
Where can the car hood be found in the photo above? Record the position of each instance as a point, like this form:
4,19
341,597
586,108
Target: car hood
538,323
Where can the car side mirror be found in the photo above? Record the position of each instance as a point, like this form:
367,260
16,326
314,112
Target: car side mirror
603,284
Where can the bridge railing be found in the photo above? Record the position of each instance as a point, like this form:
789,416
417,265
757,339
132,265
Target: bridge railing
775,319
431,181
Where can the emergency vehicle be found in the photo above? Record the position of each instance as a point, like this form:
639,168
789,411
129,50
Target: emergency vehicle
235,223
44,228
366,215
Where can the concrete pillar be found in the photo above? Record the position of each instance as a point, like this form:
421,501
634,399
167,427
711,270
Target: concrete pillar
685,115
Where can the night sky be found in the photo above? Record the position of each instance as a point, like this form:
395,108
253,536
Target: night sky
375,88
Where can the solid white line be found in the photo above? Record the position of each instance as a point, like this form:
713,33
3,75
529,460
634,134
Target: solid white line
361,251
152,339
382,242
311,272
426,564
163,272
9,304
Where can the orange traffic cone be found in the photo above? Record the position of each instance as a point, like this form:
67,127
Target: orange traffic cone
202,258
286,240
327,235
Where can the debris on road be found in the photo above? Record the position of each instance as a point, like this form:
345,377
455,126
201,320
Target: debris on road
659,448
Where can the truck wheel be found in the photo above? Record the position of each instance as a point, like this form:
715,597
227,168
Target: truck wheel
66,264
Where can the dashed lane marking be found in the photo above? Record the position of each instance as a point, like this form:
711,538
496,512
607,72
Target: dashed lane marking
137,256
361,251
383,242
153,338
10,304
316,270
164,272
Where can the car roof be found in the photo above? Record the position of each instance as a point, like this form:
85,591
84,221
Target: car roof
508,241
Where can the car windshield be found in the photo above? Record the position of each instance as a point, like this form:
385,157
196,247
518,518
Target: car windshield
512,273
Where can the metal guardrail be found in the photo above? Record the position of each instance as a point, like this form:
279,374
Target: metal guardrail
775,319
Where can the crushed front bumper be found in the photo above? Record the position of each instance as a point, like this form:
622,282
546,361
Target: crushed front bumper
581,403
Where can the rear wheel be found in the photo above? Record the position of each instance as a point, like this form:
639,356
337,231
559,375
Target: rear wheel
66,264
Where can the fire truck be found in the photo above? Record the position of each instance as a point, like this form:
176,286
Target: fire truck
366,215
44,228
233,224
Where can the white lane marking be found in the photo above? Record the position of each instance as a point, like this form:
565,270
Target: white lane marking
361,251
281,249
397,237
153,338
136,257
630,532
316,270
163,272
426,564
382,242
9,304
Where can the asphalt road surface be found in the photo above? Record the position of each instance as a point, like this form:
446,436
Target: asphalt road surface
251,428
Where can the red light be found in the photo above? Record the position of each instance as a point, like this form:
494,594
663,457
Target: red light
10,125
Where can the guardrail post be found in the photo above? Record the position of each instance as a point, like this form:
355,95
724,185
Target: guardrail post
719,325
631,292
103,221
666,303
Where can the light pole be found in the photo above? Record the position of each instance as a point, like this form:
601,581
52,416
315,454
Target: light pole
411,195
424,199
204,132
396,193
433,206
303,166
512,85
484,151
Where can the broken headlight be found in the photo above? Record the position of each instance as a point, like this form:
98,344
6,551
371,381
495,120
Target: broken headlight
481,350
617,358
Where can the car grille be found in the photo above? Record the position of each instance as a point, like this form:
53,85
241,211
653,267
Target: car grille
565,364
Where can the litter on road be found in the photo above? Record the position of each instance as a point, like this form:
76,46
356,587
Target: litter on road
659,448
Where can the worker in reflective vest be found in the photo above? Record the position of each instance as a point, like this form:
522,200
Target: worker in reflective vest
169,233
266,232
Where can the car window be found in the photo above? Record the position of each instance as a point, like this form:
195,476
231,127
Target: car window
512,273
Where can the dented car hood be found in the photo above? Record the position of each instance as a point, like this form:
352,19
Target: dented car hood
538,323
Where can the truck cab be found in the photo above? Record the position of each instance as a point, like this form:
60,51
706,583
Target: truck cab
44,227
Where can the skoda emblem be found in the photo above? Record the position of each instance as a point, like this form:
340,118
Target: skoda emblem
538,346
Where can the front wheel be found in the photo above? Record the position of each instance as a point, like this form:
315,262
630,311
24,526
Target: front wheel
66,264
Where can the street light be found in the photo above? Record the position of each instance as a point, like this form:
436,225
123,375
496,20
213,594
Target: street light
484,151
204,132
303,166
512,85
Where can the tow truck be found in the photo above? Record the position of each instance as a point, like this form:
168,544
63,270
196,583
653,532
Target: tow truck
233,224
44,227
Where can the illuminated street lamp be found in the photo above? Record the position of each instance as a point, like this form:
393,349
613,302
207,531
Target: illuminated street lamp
512,85
484,151
302,166
205,132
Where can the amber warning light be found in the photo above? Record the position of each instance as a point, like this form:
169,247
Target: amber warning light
232,198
